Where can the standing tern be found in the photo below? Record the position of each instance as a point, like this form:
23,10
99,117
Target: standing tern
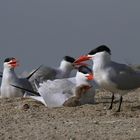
10,77
63,71
55,93
112,76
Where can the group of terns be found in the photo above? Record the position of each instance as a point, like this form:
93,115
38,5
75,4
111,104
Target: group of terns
55,87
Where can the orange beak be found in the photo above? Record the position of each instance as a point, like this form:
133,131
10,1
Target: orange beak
90,76
82,58
14,63
76,65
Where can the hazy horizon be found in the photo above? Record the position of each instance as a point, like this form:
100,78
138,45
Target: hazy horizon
42,32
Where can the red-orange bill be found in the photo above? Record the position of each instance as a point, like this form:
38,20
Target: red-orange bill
90,76
14,63
82,58
81,64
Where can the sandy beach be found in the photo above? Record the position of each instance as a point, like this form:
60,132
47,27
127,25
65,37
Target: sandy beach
26,119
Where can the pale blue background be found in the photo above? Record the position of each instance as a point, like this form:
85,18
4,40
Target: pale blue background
43,31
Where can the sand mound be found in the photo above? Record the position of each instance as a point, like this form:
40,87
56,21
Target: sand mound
26,119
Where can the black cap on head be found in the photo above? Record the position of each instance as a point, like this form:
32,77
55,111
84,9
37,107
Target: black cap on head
84,69
100,49
9,59
69,59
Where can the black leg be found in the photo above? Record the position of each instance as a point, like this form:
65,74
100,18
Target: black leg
120,102
111,105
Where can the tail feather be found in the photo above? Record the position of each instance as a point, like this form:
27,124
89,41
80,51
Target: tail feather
34,93
38,98
1,74
32,73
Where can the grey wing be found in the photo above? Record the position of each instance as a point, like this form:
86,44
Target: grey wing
23,82
126,78
54,86
43,74
56,92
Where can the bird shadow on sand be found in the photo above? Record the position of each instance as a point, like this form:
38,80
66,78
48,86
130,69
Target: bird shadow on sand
134,108
108,100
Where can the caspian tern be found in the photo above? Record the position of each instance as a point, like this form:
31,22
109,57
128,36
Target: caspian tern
63,71
55,93
10,77
112,76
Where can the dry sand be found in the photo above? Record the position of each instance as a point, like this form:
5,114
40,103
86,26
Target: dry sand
26,119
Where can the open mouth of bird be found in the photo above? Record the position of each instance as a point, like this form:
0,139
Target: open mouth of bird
13,63
82,59
90,76
80,64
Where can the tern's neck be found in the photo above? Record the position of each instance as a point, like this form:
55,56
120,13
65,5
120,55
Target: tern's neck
9,73
65,68
100,60
80,80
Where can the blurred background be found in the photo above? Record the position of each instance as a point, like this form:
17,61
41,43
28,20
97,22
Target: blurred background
43,31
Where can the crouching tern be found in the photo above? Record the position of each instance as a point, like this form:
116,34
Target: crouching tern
9,77
55,93
112,76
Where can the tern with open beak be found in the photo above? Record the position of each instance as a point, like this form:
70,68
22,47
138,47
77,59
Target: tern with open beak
10,77
110,75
